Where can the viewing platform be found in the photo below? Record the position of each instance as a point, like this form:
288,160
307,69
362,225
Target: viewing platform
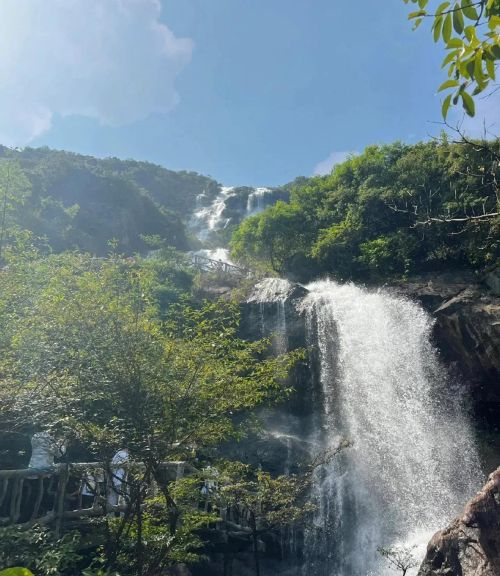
205,264
70,491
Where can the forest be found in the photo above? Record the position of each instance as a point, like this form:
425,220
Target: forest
393,210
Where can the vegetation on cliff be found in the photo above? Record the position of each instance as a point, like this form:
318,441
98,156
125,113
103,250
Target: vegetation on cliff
390,211
82,202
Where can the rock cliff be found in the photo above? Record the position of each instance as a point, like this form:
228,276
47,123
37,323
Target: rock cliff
470,546
467,333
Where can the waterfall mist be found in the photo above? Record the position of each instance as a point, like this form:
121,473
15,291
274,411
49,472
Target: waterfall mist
413,463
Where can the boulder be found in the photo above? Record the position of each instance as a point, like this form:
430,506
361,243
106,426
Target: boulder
470,546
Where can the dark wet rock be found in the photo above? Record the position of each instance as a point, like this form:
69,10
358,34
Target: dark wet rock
467,334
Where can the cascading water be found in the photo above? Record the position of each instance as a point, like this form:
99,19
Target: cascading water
207,219
413,463
256,201
271,295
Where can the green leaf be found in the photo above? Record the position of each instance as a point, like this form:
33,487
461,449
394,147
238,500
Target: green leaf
468,69
16,572
490,68
446,105
416,14
458,20
470,33
451,56
454,43
468,103
493,22
438,23
495,50
478,89
478,67
441,8
423,3
447,28
469,10
418,21
448,84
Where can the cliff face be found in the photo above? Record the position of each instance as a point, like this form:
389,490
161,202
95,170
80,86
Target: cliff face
470,546
281,445
467,334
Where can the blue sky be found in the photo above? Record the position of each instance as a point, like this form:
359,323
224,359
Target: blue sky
248,91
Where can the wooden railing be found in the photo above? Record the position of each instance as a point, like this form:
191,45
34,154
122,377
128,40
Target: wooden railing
67,491
205,264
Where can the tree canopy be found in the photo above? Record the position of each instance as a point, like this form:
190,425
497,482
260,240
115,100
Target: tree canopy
391,211
88,354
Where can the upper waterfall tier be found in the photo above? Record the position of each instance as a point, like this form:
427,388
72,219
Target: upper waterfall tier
229,207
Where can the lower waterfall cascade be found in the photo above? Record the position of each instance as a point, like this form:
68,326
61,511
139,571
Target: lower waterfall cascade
413,462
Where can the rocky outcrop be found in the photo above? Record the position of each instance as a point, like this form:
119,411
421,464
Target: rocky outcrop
470,323
467,333
470,546
271,311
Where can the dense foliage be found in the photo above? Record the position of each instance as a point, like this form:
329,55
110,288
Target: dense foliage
90,353
81,202
391,211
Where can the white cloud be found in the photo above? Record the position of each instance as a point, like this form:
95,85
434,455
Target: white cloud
112,60
325,166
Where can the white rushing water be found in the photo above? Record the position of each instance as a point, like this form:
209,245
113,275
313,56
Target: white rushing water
207,219
271,294
220,254
256,201
413,463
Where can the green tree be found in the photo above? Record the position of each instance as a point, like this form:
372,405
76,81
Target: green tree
14,189
268,503
470,32
38,549
87,355
277,236
388,212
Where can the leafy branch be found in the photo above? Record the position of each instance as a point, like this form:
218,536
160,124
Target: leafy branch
470,32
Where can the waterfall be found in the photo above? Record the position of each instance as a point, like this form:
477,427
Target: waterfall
271,294
413,463
210,218
207,219
255,202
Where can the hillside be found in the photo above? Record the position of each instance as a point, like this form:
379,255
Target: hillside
392,211
82,202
